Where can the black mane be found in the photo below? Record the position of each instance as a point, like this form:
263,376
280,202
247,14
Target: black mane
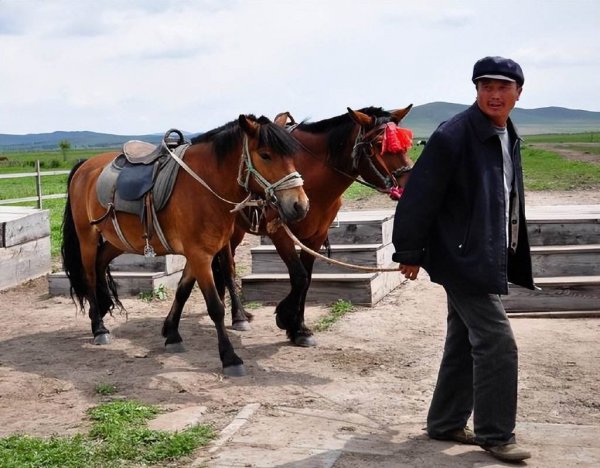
226,137
339,128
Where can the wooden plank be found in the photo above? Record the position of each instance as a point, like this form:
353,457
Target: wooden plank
358,288
557,314
556,294
358,227
566,260
562,213
128,283
578,232
19,225
131,262
265,258
24,261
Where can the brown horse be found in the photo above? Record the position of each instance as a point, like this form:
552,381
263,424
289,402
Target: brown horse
335,153
245,156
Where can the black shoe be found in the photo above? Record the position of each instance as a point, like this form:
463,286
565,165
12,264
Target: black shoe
462,436
508,452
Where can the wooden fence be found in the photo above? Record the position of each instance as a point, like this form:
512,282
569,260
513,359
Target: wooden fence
38,186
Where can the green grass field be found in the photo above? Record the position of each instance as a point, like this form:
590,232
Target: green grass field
543,170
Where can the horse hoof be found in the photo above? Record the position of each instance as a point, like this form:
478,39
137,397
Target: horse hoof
102,339
235,371
175,348
241,325
305,341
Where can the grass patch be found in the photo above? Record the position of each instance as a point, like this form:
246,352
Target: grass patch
338,309
105,389
159,293
118,438
545,170
585,137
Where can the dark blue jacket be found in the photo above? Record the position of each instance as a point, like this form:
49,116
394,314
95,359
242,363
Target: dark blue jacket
451,217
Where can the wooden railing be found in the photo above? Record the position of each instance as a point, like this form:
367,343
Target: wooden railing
38,186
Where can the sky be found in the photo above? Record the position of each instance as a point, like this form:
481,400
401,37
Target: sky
143,66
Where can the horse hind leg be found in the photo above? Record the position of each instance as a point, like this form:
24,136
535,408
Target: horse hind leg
170,329
223,267
105,297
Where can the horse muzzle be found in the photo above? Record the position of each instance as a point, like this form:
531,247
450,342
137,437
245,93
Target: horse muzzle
292,204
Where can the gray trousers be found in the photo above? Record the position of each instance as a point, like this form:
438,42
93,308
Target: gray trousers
478,373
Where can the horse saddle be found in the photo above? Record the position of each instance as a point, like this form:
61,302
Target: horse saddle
140,169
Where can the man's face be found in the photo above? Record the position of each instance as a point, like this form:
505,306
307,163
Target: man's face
497,98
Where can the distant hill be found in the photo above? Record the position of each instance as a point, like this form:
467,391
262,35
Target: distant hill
82,139
422,120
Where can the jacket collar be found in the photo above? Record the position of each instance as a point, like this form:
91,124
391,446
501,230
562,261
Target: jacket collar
484,128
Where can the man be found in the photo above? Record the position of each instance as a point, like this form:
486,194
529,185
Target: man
462,219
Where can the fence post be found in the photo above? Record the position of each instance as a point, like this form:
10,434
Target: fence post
38,183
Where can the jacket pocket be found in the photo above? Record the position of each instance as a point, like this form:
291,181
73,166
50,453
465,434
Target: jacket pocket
463,246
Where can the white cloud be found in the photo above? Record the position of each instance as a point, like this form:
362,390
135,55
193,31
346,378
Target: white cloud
142,66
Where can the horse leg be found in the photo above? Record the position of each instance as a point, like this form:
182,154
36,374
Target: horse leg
105,293
170,329
89,246
289,315
239,317
233,365
304,335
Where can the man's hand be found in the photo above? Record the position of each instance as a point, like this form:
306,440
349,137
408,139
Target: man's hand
410,271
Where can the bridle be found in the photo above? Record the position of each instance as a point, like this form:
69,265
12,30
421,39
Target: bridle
363,143
294,179
364,147
291,180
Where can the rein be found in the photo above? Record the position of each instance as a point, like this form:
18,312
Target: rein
289,181
331,260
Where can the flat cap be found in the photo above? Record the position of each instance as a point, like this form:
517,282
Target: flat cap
498,68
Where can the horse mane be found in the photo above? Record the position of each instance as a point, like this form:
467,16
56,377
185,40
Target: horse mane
226,137
339,129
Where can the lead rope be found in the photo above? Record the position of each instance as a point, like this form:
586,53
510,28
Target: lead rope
331,260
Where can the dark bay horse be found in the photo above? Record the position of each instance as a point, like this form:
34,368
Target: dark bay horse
334,153
245,155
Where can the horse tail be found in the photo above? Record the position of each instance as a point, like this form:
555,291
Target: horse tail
71,250
107,295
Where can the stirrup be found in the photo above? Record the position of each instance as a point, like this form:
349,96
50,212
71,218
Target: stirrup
149,250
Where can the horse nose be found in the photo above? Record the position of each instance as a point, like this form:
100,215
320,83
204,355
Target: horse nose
301,209
294,211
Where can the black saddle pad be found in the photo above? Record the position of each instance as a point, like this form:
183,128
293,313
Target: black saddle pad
134,180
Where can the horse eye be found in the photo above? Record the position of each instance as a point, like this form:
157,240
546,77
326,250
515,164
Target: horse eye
265,156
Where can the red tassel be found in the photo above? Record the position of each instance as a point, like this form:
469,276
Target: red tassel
396,139
395,193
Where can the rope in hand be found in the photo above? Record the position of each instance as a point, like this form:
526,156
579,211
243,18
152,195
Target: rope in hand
331,260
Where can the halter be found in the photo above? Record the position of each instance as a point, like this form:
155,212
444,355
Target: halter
289,181
389,178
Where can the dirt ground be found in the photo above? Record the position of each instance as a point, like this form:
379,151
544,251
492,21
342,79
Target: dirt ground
379,362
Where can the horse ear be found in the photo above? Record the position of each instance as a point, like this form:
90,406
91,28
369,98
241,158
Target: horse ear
399,114
281,119
361,118
250,127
